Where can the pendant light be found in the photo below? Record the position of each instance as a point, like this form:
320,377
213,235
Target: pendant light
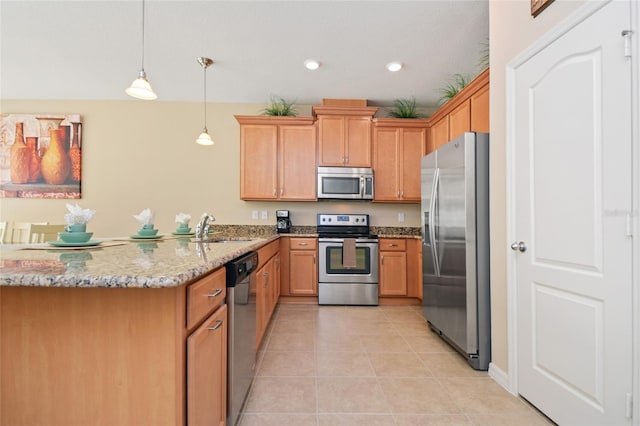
204,138
140,88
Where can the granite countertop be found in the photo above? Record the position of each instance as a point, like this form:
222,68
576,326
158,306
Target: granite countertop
146,264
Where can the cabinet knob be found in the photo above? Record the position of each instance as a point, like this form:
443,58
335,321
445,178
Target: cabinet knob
217,326
216,294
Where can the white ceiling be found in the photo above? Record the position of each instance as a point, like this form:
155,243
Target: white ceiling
88,50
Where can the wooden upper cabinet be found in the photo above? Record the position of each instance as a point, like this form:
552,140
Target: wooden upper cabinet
344,135
439,133
398,147
468,111
460,119
480,110
297,148
277,158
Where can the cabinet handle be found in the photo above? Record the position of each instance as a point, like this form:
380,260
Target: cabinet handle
303,244
382,260
398,194
281,192
275,192
314,259
216,294
217,326
393,245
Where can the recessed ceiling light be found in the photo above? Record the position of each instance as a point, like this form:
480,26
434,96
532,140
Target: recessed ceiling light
311,64
394,66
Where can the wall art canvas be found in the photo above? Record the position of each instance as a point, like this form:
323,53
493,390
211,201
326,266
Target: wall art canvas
538,6
40,155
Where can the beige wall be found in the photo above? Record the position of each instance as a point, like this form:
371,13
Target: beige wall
140,154
512,30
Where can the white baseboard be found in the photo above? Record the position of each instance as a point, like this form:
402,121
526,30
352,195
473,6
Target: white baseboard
501,378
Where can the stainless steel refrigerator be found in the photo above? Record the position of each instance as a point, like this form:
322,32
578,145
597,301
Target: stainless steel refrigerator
455,245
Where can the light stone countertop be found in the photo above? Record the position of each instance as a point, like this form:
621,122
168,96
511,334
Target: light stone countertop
138,264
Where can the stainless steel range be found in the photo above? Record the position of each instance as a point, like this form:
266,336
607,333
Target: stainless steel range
348,260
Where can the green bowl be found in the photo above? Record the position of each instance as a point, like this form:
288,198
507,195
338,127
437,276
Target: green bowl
147,232
75,237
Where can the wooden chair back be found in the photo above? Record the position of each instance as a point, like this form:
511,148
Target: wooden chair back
44,233
4,232
21,232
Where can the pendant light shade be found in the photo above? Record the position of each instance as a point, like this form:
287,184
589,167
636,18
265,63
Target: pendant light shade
204,138
140,88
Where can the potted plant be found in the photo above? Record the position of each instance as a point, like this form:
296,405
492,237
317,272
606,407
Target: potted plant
405,108
456,83
280,107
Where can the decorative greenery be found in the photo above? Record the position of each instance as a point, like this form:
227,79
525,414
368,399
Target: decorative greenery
280,107
456,83
405,108
483,62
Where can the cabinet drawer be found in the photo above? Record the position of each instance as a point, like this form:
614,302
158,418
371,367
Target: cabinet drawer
205,295
302,243
393,244
267,252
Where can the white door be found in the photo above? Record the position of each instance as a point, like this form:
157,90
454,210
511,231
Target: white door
572,181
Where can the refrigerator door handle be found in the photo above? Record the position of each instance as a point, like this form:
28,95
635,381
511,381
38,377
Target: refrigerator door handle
432,231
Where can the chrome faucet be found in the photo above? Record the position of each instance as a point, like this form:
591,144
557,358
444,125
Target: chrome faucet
202,229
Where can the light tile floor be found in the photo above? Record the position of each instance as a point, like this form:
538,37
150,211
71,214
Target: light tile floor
344,366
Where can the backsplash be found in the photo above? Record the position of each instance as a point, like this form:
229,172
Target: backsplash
269,230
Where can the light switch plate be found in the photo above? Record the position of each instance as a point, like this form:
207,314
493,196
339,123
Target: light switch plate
400,217
265,215
254,215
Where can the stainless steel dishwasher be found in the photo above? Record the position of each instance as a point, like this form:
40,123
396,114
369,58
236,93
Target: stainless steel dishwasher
241,340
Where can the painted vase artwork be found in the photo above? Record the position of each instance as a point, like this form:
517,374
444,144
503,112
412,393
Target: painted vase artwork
40,156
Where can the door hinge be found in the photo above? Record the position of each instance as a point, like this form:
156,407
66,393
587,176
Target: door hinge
629,404
627,42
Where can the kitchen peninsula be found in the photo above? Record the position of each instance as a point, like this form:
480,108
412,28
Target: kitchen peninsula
114,335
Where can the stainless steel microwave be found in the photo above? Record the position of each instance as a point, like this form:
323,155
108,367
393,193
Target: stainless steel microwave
345,183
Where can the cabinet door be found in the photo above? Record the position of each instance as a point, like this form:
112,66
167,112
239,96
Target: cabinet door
262,276
207,371
298,163
393,273
358,142
385,163
258,162
460,120
331,133
440,132
480,110
413,148
303,273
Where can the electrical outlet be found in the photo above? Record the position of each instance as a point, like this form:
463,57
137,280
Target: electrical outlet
265,215
254,215
401,217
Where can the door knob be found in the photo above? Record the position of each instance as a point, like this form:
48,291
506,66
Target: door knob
519,246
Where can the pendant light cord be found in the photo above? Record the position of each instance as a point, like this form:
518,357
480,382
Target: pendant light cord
142,65
204,72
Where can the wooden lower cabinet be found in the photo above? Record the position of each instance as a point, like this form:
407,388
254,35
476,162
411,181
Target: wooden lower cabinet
206,371
299,266
393,267
113,356
267,281
400,265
